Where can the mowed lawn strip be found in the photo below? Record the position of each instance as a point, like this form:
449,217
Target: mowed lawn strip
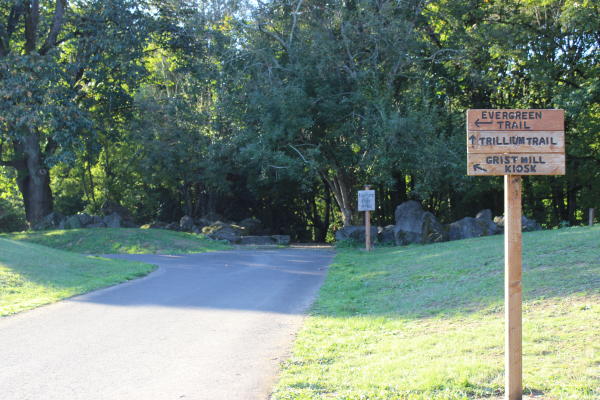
32,275
426,322
121,241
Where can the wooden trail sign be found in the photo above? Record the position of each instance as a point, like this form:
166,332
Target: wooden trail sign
514,143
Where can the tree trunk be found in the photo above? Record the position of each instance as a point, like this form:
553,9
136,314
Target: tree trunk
33,179
340,187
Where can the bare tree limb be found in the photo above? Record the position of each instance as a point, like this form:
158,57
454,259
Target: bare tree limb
295,20
57,23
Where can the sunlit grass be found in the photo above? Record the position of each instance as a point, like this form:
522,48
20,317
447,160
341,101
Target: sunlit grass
32,275
426,322
121,241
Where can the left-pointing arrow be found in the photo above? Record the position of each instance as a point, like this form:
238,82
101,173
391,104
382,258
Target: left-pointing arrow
477,167
478,122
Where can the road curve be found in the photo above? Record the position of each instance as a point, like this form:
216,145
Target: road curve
203,326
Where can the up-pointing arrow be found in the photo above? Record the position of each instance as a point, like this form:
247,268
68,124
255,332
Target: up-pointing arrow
472,139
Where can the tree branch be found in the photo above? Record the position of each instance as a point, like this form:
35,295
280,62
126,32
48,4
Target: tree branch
6,33
57,23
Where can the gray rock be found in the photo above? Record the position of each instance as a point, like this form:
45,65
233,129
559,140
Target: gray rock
222,231
414,225
111,207
484,214
186,223
72,222
527,225
112,221
97,225
157,225
257,240
85,219
173,226
253,226
386,234
355,233
50,221
283,240
469,227
485,217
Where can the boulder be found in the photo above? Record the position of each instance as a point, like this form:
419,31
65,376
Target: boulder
253,226
186,223
414,225
173,226
283,240
97,225
112,220
85,219
156,225
386,234
355,233
485,218
222,231
527,225
111,207
468,227
484,214
72,222
50,221
257,240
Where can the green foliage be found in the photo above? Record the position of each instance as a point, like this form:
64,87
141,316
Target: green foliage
282,110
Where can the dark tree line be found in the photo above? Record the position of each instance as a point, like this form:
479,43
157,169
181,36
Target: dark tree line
282,110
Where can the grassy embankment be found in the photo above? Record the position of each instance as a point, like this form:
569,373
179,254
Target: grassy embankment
35,269
426,322
121,241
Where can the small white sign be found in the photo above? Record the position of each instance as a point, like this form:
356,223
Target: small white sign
366,200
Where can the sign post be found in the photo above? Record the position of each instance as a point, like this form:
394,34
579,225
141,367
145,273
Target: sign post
514,143
366,203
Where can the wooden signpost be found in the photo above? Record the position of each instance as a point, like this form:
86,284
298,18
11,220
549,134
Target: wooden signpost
514,143
366,203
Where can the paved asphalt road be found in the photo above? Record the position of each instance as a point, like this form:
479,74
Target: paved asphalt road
204,326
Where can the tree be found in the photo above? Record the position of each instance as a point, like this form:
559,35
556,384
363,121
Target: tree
61,61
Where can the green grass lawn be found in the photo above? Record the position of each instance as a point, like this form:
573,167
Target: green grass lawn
32,275
426,322
120,241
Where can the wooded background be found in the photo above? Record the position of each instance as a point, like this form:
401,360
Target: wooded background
282,110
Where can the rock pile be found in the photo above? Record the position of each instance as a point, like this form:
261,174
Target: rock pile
415,225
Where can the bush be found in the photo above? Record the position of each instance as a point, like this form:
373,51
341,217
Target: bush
12,218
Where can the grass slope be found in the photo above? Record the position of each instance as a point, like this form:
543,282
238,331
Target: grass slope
426,322
120,241
32,275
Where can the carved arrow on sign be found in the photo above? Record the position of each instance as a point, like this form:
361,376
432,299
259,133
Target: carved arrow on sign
472,139
478,122
478,167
